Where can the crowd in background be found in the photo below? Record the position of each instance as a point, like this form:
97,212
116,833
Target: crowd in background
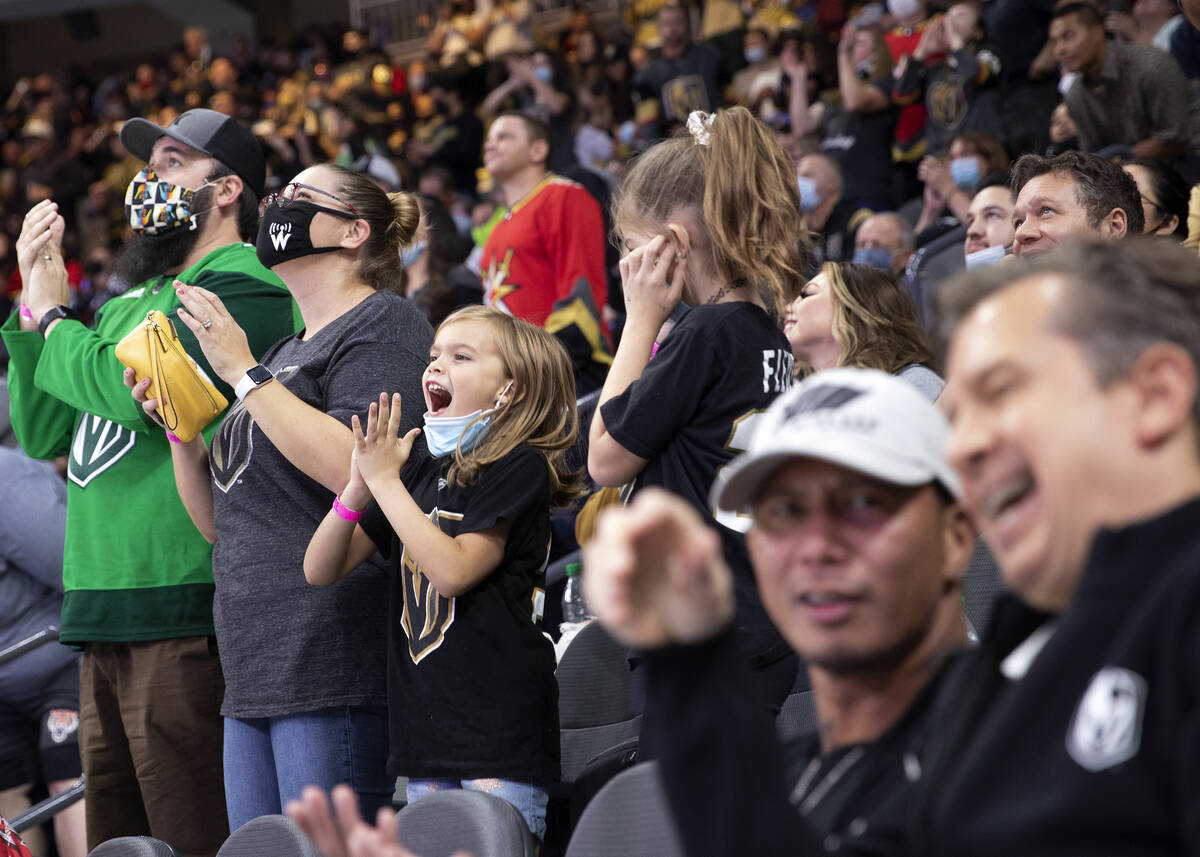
871,151
901,98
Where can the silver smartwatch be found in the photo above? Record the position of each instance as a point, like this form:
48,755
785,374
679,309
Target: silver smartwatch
255,376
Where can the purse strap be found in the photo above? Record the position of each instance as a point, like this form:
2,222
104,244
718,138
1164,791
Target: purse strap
166,404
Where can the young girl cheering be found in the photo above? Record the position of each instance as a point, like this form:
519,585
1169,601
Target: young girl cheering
464,519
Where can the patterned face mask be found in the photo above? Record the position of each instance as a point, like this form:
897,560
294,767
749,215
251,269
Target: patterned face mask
154,206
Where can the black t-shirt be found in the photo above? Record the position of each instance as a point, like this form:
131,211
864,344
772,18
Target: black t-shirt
682,84
471,689
861,143
460,141
693,409
836,241
734,788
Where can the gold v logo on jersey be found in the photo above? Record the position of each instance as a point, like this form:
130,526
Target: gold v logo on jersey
427,614
97,446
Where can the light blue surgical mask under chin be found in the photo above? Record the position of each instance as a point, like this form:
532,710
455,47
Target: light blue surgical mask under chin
445,434
964,172
876,257
809,198
986,257
544,73
755,54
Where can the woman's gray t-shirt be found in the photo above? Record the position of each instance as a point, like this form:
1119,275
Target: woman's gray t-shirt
287,646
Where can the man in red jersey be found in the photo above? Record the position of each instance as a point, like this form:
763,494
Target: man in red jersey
544,262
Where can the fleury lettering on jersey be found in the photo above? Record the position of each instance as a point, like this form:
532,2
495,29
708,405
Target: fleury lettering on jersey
98,445
233,444
779,368
427,614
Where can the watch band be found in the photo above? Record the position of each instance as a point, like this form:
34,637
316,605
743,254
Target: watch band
255,376
54,314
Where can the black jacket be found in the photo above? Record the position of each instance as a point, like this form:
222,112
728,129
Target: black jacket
1095,750
733,789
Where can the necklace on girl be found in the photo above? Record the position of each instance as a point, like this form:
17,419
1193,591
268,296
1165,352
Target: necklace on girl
740,282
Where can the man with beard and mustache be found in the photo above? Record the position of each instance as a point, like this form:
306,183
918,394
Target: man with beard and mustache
137,574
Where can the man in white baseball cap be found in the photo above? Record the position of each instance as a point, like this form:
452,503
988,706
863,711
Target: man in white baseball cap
859,545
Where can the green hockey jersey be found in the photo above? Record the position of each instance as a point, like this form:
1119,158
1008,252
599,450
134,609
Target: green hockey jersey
134,566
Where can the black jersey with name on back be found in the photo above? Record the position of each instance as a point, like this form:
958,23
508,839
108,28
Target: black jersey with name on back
693,409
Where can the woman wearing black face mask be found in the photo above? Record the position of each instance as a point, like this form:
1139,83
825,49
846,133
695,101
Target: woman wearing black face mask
305,699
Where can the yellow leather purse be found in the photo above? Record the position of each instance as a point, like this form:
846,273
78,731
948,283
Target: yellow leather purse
187,400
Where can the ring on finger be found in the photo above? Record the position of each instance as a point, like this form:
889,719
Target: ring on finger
206,324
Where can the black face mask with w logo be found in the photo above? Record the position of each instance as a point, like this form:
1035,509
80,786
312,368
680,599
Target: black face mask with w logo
283,232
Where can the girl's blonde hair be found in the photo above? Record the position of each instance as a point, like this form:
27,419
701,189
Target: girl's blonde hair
875,320
740,186
540,410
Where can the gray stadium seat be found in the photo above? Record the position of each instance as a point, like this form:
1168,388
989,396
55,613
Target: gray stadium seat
932,265
628,817
133,846
445,822
268,836
593,699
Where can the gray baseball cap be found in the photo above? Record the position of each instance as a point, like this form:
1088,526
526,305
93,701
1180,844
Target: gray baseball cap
210,132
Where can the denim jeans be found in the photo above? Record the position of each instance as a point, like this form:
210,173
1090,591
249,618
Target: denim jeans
269,760
529,799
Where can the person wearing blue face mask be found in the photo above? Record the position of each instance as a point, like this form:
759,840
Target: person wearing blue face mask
884,241
989,222
305,675
833,220
436,276
762,75
950,182
465,521
531,88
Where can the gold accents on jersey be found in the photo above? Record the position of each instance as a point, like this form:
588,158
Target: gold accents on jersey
427,614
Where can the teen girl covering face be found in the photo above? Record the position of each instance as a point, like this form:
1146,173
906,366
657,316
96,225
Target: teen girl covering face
712,219
465,520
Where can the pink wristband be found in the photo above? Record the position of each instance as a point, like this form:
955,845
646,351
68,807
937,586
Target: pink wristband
26,312
171,437
345,512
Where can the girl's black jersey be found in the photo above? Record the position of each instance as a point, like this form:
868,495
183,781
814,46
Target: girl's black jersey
471,689
693,409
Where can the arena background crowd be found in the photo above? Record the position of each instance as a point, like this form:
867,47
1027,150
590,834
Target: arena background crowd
919,138
331,94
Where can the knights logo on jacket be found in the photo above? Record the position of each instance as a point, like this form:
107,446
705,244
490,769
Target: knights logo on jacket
1107,727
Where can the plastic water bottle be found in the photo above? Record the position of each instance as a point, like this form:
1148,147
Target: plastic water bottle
574,608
